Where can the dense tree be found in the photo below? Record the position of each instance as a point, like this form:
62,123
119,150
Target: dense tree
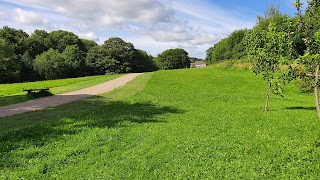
38,43
18,39
74,61
60,39
143,62
95,61
9,68
88,44
232,47
119,55
173,59
51,65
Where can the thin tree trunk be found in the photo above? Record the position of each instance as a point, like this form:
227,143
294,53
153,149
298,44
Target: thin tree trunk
316,90
267,100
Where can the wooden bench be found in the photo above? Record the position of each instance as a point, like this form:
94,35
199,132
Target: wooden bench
36,90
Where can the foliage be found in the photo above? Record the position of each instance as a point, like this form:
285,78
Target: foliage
219,133
18,39
74,61
9,67
119,55
59,40
267,51
143,62
173,59
88,44
95,61
232,47
73,57
38,43
51,65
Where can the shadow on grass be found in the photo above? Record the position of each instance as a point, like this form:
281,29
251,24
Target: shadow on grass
72,119
301,108
8,100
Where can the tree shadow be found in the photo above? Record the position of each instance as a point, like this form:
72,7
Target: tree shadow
71,119
8,100
301,108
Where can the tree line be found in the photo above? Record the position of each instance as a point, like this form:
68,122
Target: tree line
234,46
62,54
280,48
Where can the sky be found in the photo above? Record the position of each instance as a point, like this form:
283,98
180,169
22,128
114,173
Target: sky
151,25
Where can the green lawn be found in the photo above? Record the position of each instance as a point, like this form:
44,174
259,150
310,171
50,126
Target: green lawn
184,124
12,93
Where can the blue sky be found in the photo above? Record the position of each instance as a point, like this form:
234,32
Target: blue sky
151,25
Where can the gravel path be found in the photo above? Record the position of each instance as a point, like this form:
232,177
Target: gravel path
57,100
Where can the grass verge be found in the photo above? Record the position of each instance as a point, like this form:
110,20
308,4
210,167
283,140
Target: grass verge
12,93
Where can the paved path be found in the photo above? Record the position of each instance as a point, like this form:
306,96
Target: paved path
57,100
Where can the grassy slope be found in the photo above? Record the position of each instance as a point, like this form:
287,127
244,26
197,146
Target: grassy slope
200,123
12,93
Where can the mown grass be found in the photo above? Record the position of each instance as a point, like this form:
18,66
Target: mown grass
12,93
183,124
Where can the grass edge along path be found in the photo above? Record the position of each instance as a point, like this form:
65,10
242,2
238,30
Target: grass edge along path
12,93
60,99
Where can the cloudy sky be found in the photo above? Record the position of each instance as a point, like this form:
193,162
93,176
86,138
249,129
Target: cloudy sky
151,25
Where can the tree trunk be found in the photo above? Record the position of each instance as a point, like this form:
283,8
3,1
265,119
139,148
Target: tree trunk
267,100
316,90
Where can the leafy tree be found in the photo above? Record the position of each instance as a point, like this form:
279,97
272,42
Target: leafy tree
309,29
27,73
232,47
18,39
267,51
9,68
209,53
51,65
60,39
143,62
173,59
88,44
119,55
220,51
39,43
275,16
74,61
95,61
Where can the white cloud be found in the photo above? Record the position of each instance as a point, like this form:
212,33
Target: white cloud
109,12
205,39
90,35
29,18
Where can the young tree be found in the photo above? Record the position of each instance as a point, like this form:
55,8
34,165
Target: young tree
308,28
268,50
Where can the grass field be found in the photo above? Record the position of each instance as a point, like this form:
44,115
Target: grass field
12,93
184,124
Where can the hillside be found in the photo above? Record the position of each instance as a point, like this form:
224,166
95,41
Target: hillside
180,124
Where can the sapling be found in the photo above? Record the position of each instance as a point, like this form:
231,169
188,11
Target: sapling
268,50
